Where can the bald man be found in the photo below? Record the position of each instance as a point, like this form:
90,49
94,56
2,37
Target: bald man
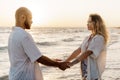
23,53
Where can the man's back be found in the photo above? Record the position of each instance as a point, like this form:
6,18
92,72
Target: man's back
15,48
22,60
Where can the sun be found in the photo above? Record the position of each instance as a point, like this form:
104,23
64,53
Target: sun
39,17
40,14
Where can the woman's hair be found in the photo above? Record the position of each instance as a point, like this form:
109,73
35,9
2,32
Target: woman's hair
99,26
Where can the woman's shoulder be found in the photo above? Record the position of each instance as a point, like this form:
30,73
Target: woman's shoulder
99,37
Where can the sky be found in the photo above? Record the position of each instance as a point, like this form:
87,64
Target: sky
61,13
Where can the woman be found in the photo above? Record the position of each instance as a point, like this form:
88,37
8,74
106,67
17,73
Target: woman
92,52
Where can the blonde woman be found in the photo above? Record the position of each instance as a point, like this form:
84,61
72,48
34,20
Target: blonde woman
92,51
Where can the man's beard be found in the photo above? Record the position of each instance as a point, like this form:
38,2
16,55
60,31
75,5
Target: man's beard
27,26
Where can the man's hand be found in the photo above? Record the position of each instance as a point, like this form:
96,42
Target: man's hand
64,65
56,63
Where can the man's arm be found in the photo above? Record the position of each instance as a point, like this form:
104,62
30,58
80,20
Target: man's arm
47,61
81,57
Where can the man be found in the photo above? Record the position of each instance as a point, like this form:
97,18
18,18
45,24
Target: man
23,54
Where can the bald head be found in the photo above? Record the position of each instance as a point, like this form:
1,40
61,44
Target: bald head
23,16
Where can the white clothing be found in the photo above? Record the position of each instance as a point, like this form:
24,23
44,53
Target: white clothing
96,61
23,54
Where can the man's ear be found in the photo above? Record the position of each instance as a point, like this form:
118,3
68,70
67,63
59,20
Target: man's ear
23,17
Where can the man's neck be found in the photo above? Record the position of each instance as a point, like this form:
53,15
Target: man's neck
19,25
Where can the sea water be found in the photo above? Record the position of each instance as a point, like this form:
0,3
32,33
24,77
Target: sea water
60,42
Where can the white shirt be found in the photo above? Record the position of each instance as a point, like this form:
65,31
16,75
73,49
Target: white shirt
96,61
23,54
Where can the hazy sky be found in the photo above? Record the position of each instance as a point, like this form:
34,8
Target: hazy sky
60,13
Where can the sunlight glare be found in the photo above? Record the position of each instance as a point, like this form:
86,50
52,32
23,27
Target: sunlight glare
39,14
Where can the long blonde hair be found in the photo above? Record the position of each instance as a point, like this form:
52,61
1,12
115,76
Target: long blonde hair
99,26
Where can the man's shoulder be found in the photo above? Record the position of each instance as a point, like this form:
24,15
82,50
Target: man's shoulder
19,32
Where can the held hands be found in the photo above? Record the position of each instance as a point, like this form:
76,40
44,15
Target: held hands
62,65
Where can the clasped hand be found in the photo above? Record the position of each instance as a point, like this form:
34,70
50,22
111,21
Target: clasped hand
63,65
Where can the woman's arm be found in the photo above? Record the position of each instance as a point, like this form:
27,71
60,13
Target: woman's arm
73,55
81,57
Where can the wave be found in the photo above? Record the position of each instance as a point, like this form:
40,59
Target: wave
68,40
3,48
46,43
58,30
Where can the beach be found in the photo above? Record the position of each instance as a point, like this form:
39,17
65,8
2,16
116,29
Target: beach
60,43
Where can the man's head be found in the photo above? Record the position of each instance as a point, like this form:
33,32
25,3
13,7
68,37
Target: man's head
23,18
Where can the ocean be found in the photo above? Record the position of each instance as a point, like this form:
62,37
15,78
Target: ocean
60,42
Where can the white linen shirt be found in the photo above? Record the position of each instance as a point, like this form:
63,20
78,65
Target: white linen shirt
96,61
23,54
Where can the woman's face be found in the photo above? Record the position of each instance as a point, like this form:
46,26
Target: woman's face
90,24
